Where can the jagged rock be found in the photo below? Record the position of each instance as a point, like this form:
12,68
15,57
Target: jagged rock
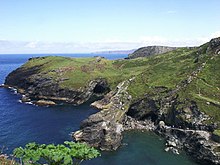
37,87
104,129
214,45
25,99
3,86
103,134
98,58
172,149
188,114
171,143
44,102
21,91
198,144
78,135
167,149
161,124
133,124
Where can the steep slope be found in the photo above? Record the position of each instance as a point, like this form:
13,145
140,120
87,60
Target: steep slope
176,94
150,51
71,80
190,74
187,105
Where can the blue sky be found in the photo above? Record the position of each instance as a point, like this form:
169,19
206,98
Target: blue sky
71,26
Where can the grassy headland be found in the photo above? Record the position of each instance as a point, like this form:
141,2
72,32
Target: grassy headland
193,71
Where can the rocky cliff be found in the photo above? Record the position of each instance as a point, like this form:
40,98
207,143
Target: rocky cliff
176,113
43,86
175,95
104,129
150,51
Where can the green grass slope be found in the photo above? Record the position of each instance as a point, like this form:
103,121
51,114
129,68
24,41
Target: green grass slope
166,71
205,89
77,72
173,69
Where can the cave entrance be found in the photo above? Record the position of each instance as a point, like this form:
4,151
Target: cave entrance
101,88
152,116
142,116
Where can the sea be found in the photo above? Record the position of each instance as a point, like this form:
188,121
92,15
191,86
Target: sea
23,123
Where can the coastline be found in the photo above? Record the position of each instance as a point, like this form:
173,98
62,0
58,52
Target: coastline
176,139
169,112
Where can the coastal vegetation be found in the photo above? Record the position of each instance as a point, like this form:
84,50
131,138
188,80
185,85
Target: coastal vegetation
62,154
176,94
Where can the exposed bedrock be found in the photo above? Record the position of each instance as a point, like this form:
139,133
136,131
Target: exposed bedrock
38,87
198,144
99,132
150,51
214,45
185,115
174,111
144,109
104,129
183,128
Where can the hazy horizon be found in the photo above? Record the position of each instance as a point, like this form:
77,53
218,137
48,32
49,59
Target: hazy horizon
54,26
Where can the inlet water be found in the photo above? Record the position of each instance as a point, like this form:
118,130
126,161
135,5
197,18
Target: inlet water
22,123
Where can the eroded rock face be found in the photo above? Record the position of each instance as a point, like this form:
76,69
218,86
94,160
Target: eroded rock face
198,144
19,77
37,87
186,130
104,129
214,45
144,109
186,116
44,102
102,134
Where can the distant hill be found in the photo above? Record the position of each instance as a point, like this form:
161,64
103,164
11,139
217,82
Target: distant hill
151,50
116,52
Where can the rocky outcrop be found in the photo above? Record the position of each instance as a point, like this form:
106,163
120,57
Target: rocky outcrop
104,129
198,144
150,51
163,110
40,87
214,45
100,133
44,102
134,124
143,109
180,122
185,115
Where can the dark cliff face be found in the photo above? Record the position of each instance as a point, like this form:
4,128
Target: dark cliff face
35,86
19,77
214,45
150,51
143,109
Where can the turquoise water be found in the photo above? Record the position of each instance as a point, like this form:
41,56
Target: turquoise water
23,123
142,148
